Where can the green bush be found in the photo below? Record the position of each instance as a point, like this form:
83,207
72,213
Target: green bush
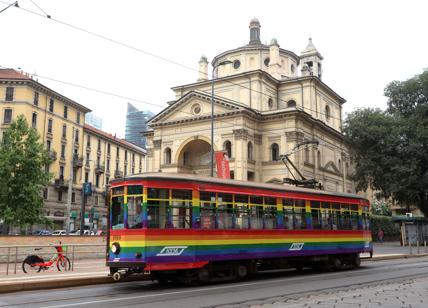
390,229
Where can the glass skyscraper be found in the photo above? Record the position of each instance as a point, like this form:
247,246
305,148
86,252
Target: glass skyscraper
136,123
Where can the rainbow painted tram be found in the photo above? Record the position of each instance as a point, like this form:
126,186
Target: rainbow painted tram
188,228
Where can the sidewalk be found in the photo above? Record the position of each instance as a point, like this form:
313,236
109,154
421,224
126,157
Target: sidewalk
94,271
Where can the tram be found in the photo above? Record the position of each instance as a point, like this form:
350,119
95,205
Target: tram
178,227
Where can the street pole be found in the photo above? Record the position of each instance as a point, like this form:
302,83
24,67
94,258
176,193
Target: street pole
70,185
212,114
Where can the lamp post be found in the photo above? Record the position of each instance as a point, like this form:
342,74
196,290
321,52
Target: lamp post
212,113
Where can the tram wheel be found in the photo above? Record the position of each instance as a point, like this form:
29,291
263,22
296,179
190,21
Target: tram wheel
336,263
356,262
204,275
241,271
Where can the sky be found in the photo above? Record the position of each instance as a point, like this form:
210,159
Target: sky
152,46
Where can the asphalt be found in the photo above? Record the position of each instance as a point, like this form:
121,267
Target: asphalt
94,271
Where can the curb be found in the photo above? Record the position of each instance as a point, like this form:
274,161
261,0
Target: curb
85,281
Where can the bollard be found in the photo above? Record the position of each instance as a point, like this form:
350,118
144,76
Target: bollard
410,247
417,245
425,245
16,258
8,261
72,259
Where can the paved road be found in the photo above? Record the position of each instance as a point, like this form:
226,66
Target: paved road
277,289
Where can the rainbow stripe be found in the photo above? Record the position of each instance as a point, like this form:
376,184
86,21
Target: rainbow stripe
193,245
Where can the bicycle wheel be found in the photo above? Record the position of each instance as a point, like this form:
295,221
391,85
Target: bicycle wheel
29,267
63,264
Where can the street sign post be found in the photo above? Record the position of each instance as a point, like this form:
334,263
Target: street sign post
86,191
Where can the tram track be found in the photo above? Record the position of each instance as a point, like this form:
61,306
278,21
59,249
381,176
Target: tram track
155,293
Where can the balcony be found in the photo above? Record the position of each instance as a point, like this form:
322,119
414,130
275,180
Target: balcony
77,161
52,155
99,168
60,183
118,174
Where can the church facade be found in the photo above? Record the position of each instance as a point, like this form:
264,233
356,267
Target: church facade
266,101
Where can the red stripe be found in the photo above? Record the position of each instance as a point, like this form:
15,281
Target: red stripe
174,266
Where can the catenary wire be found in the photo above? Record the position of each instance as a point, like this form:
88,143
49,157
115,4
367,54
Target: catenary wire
157,56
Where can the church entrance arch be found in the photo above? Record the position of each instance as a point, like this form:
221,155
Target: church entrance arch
194,157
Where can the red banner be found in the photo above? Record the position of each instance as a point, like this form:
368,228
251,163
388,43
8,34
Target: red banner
223,170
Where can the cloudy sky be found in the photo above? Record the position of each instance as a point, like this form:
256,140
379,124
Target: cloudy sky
157,45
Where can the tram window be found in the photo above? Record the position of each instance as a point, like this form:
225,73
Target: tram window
256,217
335,220
354,220
346,220
269,217
208,203
157,208
118,190
270,200
316,219
181,209
288,218
241,212
225,211
366,221
117,213
299,203
135,190
354,207
344,206
325,219
325,205
315,204
299,216
256,199
135,213
287,202
335,206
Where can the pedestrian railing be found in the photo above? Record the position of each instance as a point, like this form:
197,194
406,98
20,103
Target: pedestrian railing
11,257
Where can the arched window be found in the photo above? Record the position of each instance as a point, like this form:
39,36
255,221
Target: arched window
227,146
340,165
167,156
250,151
291,104
327,113
274,151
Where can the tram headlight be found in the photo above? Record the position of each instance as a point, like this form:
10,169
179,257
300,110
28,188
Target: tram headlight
115,248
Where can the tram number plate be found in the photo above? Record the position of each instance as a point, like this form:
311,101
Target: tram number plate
171,251
116,238
296,246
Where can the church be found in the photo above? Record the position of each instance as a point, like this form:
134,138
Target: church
266,101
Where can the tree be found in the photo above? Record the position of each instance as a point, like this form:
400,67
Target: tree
22,175
390,148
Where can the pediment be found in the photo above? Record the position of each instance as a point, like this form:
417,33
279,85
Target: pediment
330,166
194,105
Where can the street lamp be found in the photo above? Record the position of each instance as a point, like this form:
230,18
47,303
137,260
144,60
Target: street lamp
212,112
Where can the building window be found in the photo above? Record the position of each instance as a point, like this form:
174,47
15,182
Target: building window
107,180
117,166
48,145
270,103
292,68
97,180
65,112
108,148
133,158
291,104
76,136
126,155
62,150
167,156
78,117
45,193
9,94
274,151
51,104
61,172
327,113
96,200
108,165
236,64
227,146
36,98
86,177
59,195
267,61
319,159
34,120
133,170
7,116
88,141
117,152
73,197
64,131
250,151
50,126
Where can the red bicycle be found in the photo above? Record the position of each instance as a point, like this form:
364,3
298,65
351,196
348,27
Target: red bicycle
35,263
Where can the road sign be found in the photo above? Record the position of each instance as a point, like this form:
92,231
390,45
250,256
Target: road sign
87,188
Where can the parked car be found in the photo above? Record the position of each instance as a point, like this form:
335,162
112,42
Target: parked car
59,232
42,232
85,232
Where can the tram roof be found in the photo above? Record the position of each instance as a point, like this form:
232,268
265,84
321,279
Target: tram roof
213,180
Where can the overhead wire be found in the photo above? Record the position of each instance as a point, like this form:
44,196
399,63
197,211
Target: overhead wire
153,55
